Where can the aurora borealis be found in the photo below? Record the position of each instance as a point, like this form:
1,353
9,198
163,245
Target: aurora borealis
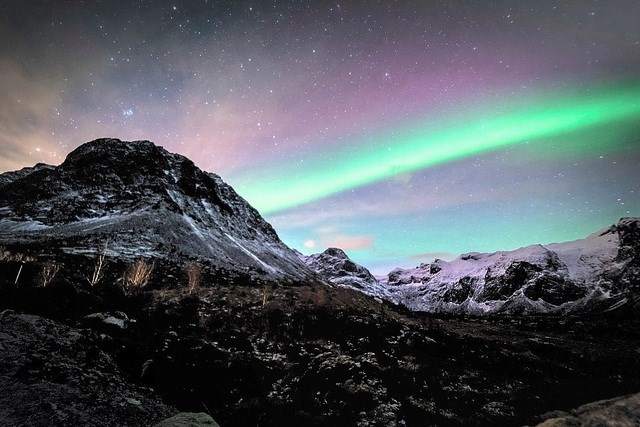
400,131
393,153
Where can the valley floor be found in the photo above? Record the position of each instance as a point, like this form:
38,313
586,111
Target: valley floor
294,355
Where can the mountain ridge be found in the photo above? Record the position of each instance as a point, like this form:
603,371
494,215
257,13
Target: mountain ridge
139,200
595,274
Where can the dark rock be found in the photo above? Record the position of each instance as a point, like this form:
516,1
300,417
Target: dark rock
502,286
620,411
460,291
554,289
51,374
188,419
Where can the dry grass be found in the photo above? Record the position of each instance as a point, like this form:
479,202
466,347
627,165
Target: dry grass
137,276
98,268
48,273
194,272
8,256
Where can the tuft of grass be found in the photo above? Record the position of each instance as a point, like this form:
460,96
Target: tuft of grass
137,276
18,257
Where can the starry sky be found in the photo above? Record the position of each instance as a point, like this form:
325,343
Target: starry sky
400,131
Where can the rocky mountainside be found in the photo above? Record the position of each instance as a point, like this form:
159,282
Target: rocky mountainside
596,274
337,268
136,200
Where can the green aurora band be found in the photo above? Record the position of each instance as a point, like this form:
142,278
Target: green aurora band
395,152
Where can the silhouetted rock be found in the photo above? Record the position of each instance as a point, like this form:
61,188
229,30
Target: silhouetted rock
51,374
188,419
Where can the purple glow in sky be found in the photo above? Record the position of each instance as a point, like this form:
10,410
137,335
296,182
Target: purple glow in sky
242,86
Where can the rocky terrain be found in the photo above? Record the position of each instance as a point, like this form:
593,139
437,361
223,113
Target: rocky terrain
53,374
313,355
620,411
337,268
211,315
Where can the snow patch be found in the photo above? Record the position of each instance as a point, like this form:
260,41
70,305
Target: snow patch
251,254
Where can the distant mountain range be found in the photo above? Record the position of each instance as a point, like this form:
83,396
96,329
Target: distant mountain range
135,199
595,274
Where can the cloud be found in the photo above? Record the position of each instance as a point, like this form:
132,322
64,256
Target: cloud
25,109
348,243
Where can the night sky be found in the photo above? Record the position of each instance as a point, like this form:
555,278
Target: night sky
400,131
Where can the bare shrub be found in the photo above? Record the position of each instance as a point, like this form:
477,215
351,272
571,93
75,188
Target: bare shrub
8,255
98,268
48,273
22,259
5,255
137,276
194,272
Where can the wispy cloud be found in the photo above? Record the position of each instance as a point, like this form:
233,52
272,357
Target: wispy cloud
348,243
27,103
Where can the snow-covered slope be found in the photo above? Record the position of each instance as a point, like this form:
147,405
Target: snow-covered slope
600,272
141,201
335,266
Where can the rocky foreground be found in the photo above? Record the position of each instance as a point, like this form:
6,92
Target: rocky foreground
312,355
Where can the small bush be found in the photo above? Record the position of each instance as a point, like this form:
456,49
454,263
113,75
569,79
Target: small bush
48,273
137,275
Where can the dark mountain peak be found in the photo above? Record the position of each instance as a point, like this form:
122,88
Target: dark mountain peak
128,157
335,252
113,146
128,160
147,202
335,266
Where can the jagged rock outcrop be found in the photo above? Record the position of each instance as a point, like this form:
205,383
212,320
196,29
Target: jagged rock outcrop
138,200
620,411
337,268
188,419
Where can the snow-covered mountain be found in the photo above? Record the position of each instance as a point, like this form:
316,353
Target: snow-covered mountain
599,273
139,200
336,267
